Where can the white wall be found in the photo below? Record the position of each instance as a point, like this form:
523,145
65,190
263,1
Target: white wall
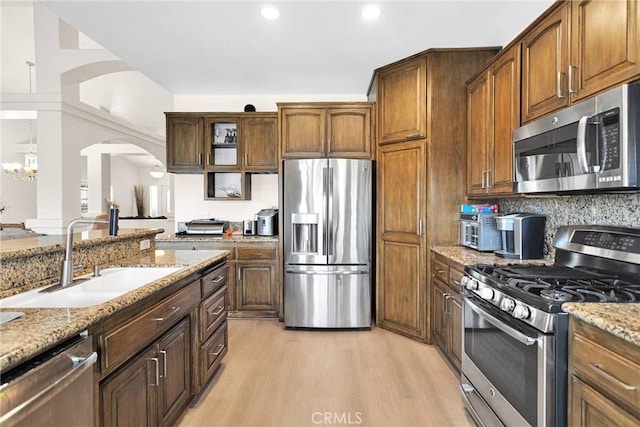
189,189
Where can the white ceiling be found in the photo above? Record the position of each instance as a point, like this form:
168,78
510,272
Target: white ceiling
316,47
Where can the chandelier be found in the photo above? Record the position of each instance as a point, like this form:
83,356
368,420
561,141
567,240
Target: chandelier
29,170
156,172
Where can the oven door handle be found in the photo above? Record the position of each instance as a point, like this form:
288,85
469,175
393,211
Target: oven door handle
524,339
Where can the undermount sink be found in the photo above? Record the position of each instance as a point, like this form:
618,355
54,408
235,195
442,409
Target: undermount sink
112,283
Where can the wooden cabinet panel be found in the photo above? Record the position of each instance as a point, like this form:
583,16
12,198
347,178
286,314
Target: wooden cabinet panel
493,109
402,101
401,188
260,141
213,312
248,253
349,132
325,130
477,134
605,47
185,144
455,329
545,60
255,287
174,358
401,299
212,352
438,312
129,397
214,280
302,132
604,378
588,408
118,344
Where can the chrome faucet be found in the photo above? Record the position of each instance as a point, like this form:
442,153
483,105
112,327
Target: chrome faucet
67,264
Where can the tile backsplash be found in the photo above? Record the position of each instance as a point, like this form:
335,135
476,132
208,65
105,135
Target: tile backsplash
601,209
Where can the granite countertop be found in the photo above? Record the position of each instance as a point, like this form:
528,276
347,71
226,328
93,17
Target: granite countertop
30,246
467,256
234,238
41,328
621,320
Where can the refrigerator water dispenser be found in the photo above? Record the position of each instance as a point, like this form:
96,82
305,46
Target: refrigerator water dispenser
304,233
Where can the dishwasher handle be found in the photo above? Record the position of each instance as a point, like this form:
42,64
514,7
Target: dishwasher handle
79,366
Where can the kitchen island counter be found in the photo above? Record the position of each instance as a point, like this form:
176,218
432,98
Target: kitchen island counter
42,328
619,319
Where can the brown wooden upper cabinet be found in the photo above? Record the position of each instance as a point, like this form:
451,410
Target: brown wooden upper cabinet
402,101
185,143
580,48
239,142
493,108
325,130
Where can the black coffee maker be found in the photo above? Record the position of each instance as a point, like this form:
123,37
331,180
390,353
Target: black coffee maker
522,235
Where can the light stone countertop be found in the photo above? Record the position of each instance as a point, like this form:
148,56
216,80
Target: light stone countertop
467,256
619,319
234,238
42,328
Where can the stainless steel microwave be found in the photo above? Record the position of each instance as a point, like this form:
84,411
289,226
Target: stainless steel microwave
591,146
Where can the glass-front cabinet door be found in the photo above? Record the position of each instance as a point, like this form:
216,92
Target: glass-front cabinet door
222,137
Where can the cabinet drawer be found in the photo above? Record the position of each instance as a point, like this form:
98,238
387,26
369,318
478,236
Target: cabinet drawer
213,311
120,343
256,253
613,374
214,280
212,352
455,279
440,270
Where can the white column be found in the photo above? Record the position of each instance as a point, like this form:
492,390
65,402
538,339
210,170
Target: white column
98,181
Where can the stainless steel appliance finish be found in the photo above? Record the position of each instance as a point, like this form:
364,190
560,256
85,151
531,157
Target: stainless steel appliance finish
327,243
54,389
514,362
522,235
267,222
479,231
249,227
207,226
592,145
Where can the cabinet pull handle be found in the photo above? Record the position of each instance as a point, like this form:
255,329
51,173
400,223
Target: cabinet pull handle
219,348
172,312
239,275
457,282
200,159
490,178
420,227
155,360
245,159
218,279
413,135
445,297
570,79
220,310
163,353
559,85
610,377
483,179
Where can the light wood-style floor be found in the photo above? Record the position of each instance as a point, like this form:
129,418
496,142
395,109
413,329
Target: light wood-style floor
277,377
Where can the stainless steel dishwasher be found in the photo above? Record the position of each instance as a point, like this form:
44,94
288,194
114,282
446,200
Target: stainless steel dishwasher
53,389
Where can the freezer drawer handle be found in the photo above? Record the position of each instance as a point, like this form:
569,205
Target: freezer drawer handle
328,272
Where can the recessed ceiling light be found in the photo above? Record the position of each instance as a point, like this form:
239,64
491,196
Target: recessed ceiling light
270,12
371,12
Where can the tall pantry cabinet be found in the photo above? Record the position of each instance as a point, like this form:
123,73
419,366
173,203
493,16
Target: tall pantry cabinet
421,173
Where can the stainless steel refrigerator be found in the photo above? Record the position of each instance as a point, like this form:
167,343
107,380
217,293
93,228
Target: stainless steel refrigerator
327,243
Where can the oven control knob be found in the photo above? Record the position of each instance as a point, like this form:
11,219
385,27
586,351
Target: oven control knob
521,312
470,283
487,293
507,304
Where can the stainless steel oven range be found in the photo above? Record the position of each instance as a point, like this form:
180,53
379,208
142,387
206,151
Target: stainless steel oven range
514,361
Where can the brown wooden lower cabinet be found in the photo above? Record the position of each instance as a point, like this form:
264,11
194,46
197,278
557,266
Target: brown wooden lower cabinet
446,304
604,378
153,388
154,361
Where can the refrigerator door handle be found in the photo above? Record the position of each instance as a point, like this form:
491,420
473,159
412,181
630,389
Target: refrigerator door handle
324,220
331,273
330,239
